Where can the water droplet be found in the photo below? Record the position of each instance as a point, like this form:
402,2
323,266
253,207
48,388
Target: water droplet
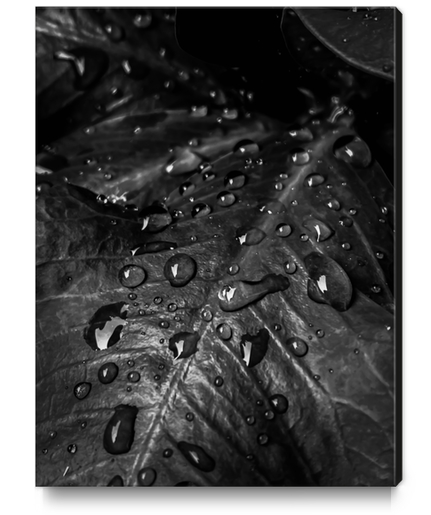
208,176
333,204
299,156
116,481
186,188
224,331
44,451
269,414
356,351
81,390
90,64
259,402
183,161
320,333
142,21
304,237
328,283
331,370
345,221
190,417
83,425
72,448
278,186
183,344
157,377
290,266
218,381
52,434
107,373
279,402
250,420
316,377
321,229
234,180
263,439
238,294
130,363
164,324
155,217
141,312
132,276
376,288
195,455
346,246
314,180
249,236
206,315
200,210
277,327
146,476
114,32
283,230
301,134
298,347
246,148
180,269
120,430
273,207
172,307
250,457
134,377
352,212
132,296
198,111
226,199
230,114
353,150
380,255
254,348
167,453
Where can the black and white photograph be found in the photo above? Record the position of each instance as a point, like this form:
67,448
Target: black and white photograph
218,246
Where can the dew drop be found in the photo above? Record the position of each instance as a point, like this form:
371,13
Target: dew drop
304,237
279,403
250,236
301,134
353,150
345,221
263,439
246,147
319,228
134,377
333,204
380,255
269,415
278,186
206,315
195,455
115,33
183,345
298,347
234,180
320,333
146,476
167,453
218,381
314,179
142,21
376,288
277,327
224,331
226,199
190,417
52,434
172,307
283,230
120,430
352,212
132,276
346,246
290,265
250,420
180,269
116,481
200,210
198,111
132,296
164,324
107,373
130,363
183,161
82,390
186,188
299,156
233,269
72,448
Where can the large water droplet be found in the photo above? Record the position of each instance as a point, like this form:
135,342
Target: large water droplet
224,331
82,390
253,348
297,346
299,156
246,147
107,373
183,161
132,276
146,476
238,294
184,344
283,230
249,236
319,228
313,180
353,150
195,455
234,180
279,403
328,283
226,199
104,329
180,269
199,210
120,430
90,64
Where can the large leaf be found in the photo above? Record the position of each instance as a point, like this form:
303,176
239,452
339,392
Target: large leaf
183,380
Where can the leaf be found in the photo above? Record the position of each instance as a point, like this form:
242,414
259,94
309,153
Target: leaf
209,419
363,38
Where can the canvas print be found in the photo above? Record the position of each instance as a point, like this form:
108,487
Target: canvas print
218,246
